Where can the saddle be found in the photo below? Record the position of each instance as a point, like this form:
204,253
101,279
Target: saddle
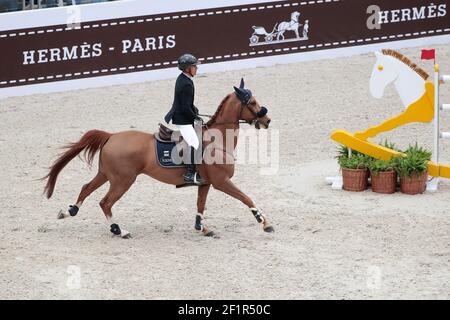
167,135
167,141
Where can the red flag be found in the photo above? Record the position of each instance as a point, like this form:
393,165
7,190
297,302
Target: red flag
428,54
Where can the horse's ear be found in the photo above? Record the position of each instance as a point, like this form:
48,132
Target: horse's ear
242,83
378,54
238,91
241,94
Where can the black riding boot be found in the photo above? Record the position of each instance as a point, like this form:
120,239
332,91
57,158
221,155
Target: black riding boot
191,176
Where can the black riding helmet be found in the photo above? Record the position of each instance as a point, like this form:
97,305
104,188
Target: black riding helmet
187,60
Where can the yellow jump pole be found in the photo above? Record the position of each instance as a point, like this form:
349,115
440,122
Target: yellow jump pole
436,131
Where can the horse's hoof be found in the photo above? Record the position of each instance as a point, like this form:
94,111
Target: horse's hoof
60,214
207,233
210,234
269,229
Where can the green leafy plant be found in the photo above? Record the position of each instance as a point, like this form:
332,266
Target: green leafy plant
413,163
419,151
377,166
389,145
355,160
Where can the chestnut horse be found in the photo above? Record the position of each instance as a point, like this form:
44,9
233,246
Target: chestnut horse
125,155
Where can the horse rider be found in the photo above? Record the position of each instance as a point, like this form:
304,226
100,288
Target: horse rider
184,114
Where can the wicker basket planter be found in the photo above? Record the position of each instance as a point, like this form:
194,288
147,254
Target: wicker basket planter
414,184
384,181
355,179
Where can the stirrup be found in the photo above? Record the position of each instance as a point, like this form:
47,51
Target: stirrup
199,180
191,177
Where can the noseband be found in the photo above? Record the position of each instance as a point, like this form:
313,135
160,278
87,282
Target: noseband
261,113
245,95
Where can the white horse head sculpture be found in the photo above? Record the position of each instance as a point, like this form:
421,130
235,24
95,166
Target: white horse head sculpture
295,16
393,67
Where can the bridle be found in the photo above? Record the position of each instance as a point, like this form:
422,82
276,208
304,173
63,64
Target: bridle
261,113
244,104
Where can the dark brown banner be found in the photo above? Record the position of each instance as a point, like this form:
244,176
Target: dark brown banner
106,47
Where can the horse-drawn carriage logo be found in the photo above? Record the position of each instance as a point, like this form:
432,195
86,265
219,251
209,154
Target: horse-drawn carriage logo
277,34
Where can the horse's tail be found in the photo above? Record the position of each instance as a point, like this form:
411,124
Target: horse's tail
91,142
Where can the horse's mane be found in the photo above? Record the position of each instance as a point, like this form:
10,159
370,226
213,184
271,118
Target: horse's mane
213,118
406,61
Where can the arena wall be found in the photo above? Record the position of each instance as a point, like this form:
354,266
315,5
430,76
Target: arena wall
131,41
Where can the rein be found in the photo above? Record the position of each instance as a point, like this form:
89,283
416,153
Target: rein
220,123
243,105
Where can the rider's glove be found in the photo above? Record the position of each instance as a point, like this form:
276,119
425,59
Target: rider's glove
195,110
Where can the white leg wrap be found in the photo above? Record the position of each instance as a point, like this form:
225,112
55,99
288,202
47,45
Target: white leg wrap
124,233
258,215
65,213
199,223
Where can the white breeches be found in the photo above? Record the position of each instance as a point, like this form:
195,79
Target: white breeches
189,135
